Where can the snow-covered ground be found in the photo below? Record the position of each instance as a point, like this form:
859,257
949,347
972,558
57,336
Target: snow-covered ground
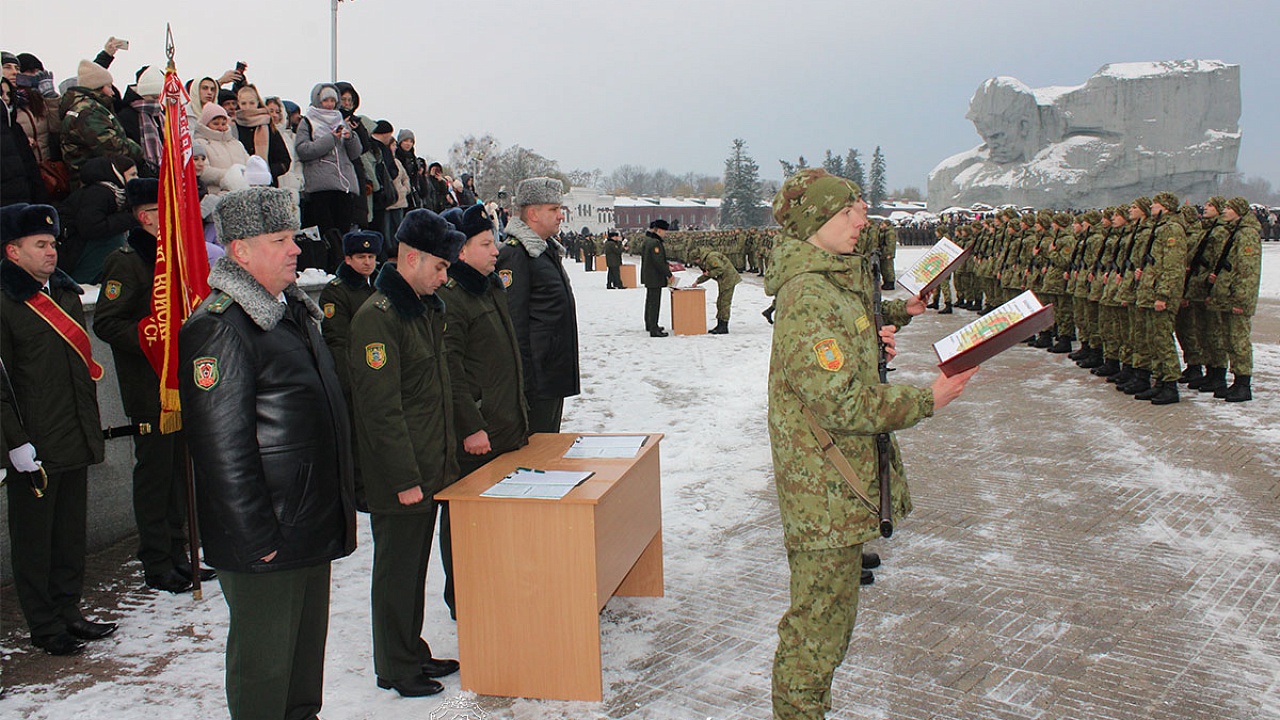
706,393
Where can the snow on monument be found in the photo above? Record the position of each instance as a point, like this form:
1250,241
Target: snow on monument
1132,129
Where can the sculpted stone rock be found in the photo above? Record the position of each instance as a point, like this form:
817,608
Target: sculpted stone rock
1133,129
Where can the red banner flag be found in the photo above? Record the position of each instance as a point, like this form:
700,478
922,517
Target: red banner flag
182,262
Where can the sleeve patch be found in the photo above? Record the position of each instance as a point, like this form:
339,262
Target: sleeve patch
375,355
505,276
112,289
862,323
829,355
206,372
329,310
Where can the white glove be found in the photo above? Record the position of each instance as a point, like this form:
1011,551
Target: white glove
23,458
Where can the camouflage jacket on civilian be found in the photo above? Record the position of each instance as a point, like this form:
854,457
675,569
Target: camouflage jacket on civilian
825,354
90,129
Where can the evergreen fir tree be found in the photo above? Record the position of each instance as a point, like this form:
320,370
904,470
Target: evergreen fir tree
833,164
791,168
853,168
878,180
738,208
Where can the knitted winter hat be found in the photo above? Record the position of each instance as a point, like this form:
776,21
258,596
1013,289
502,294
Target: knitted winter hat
1217,201
257,172
150,82
1240,205
211,111
405,134
1144,204
810,198
1167,200
92,75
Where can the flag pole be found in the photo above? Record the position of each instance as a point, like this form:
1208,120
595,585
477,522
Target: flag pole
193,527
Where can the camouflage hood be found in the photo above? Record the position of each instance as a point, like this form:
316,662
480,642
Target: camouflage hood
792,257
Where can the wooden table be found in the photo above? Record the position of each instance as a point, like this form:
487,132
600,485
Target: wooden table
531,576
688,311
628,274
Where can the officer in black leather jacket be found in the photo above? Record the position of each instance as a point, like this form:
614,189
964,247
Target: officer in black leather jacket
270,446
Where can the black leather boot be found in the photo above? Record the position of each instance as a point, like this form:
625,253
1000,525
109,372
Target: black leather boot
1240,390
1167,395
1107,369
1063,345
1215,379
1190,375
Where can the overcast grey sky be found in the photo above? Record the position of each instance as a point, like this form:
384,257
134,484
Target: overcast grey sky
670,83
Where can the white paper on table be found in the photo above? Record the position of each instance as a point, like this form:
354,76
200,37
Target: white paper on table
606,446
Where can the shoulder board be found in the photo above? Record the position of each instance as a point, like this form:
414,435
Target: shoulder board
220,303
127,248
383,303
336,281
451,283
513,242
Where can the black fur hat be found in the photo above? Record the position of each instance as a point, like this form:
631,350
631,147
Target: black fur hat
472,221
142,191
362,241
22,220
659,224
426,231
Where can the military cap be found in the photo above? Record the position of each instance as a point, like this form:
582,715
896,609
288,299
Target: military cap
1217,201
1044,218
362,241
424,230
1240,205
255,211
142,191
21,220
1093,217
1144,204
1167,200
470,222
659,224
1190,214
539,191
1064,219
811,197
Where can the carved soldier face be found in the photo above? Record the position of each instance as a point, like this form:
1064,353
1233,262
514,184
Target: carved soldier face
1005,114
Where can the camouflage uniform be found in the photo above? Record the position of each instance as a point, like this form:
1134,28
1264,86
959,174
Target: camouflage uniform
1163,274
1199,328
90,129
715,266
1236,287
824,359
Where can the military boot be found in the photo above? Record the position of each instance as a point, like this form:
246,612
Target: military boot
1108,368
1093,360
1044,340
946,310
1141,381
1123,376
1167,394
933,305
1151,392
1063,345
1215,379
1190,375
1240,390
721,328
1078,354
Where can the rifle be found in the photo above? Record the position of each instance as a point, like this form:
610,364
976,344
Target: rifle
1146,256
884,453
1223,262
1197,260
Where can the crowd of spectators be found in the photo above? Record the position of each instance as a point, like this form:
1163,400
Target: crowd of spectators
76,144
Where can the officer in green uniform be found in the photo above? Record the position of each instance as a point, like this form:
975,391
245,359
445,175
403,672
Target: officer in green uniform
823,377
339,300
489,407
588,245
159,476
51,428
405,424
655,275
1236,281
613,261
715,266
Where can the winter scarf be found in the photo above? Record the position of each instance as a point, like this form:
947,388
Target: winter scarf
149,123
263,308
323,121
533,244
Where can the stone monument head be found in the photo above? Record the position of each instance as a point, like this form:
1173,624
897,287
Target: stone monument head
1005,113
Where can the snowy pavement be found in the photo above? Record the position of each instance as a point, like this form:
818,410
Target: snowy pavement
1073,554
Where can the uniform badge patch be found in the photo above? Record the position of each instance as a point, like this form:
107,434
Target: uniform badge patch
829,355
329,310
206,372
862,323
112,290
505,276
375,355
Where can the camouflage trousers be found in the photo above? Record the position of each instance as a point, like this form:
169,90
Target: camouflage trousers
1140,331
724,301
1239,344
1115,331
1202,336
813,635
1087,322
1161,349
1064,316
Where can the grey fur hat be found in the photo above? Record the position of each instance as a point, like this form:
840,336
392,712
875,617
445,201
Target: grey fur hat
256,211
539,191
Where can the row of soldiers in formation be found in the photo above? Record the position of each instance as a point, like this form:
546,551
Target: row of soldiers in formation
1129,282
